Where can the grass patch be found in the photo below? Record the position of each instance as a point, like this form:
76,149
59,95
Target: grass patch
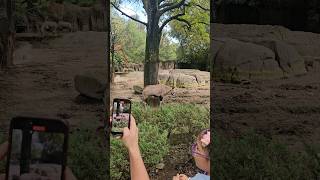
88,156
255,157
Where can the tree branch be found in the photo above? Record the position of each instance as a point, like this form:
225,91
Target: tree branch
117,8
173,6
201,7
160,1
200,22
176,17
185,21
165,5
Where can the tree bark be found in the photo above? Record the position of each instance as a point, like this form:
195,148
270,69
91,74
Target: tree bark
151,63
7,33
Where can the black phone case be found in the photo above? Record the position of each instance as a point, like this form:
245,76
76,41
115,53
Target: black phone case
120,133
53,125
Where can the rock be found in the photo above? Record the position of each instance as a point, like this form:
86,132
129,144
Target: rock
312,63
163,77
236,59
91,83
64,26
201,76
200,80
305,43
159,90
290,61
137,89
160,166
186,81
49,27
172,80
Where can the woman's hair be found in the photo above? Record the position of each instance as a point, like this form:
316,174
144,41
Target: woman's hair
204,139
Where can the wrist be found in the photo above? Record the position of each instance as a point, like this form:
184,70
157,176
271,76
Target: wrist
133,151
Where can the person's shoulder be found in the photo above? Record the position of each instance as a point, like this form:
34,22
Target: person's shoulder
200,177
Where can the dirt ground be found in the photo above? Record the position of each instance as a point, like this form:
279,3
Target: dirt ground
41,82
123,87
284,109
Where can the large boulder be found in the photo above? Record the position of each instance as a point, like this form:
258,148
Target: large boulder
202,77
184,78
153,94
305,43
238,59
186,81
158,90
49,28
64,26
289,60
163,76
91,83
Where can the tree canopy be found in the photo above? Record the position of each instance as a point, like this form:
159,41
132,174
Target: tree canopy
132,37
194,41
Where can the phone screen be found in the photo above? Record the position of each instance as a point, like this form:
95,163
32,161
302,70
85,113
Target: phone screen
120,115
36,154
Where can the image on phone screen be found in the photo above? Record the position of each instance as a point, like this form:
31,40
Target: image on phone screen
36,155
120,115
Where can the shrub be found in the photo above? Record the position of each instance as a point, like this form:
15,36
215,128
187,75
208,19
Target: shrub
153,145
187,118
88,157
255,157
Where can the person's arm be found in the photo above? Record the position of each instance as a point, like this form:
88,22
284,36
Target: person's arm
130,138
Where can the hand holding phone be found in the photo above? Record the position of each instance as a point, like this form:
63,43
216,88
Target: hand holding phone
37,149
130,136
121,116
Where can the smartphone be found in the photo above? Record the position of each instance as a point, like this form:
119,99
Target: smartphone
121,116
37,149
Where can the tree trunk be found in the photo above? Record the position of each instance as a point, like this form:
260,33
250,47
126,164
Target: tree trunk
112,62
7,33
151,63
107,92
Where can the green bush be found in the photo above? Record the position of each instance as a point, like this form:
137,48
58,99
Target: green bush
182,118
153,145
88,157
119,162
255,157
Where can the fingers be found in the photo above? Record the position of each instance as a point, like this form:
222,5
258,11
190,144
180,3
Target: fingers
4,150
126,132
133,123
